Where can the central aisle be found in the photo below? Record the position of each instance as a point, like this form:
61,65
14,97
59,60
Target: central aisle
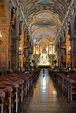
46,97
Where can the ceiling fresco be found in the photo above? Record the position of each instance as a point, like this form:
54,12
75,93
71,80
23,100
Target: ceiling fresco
44,18
43,33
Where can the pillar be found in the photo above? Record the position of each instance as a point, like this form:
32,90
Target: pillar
73,52
39,49
48,49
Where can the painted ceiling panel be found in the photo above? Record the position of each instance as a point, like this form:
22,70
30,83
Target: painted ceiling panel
45,1
43,32
44,17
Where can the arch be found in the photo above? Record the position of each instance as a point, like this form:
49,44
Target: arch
44,31
45,16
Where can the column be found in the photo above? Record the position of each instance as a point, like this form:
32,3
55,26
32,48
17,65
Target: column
35,49
73,39
52,53
52,49
48,49
73,52
39,49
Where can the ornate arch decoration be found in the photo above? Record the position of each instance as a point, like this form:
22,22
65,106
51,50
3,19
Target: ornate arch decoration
48,31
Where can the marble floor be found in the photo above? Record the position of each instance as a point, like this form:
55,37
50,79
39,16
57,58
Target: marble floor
46,97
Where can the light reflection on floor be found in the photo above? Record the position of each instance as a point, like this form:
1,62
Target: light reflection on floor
44,84
46,97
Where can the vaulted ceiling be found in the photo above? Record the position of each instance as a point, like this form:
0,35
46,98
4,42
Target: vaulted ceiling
44,18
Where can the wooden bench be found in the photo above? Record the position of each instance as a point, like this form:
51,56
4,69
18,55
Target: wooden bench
2,97
8,98
16,85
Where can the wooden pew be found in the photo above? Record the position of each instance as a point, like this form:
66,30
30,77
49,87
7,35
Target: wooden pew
71,86
20,83
67,83
15,86
7,102
2,97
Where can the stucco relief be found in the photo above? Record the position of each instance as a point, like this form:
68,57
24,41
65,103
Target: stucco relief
4,38
4,29
3,20
2,10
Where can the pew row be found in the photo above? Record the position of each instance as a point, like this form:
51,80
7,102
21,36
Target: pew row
15,86
66,83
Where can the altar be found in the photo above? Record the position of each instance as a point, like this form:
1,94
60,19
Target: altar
43,59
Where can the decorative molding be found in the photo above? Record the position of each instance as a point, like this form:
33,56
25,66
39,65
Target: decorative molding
2,10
